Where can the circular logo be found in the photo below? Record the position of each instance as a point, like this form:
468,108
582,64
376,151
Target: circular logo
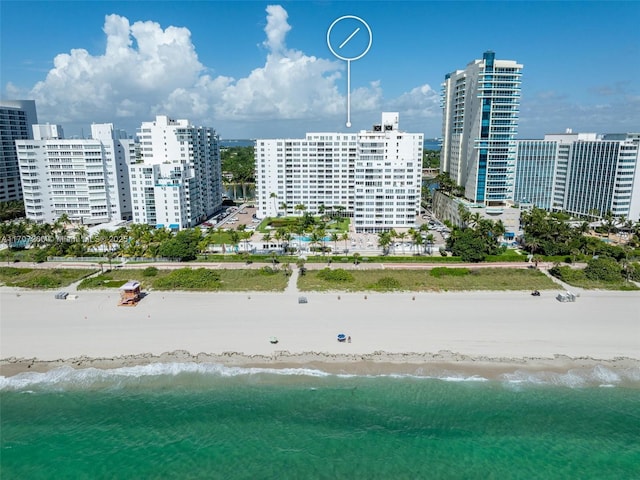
349,38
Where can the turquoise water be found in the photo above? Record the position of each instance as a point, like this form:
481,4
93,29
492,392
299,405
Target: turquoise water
188,421
303,238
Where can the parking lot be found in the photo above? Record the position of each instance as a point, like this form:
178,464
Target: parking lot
232,217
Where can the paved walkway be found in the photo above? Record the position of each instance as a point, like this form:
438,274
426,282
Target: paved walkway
292,286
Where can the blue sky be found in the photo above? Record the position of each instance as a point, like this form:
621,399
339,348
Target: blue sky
263,69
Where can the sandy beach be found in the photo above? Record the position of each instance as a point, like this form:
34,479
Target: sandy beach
395,332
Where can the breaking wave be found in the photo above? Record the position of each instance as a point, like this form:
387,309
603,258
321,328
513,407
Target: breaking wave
192,373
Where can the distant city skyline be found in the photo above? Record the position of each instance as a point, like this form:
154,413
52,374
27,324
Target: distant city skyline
256,69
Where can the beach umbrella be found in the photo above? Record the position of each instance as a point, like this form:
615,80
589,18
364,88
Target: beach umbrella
273,339
342,337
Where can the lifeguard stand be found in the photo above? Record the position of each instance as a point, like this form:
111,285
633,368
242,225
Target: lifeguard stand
130,294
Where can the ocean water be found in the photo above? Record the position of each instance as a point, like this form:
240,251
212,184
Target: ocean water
206,421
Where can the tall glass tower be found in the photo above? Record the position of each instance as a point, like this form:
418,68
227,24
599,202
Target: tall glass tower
16,120
480,121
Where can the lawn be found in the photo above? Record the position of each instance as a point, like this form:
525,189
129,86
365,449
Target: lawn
577,278
340,225
437,279
41,278
200,279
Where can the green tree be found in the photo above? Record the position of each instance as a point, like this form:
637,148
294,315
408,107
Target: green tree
300,208
345,237
11,210
384,241
334,238
468,246
183,246
238,165
604,269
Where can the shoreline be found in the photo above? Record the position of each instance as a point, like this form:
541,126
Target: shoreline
377,363
491,332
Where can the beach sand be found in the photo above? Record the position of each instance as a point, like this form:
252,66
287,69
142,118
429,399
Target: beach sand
391,333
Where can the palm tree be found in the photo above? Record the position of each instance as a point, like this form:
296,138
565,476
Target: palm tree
445,182
340,209
429,239
234,235
82,235
322,234
609,222
246,236
345,237
314,238
384,241
465,215
286,237
417,240
583,228
103,239
334,239
401,236
284,207
393,234
532,244
274,196
474,219
300,208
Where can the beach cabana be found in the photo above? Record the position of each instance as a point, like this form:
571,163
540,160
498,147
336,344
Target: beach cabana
130,293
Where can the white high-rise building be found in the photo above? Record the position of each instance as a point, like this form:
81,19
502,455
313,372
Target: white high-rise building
177,181
16,119
479,125
581,174
86,179
373,176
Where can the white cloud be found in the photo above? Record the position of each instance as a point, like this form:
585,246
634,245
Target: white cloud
422,101
147,70
552,112
276,29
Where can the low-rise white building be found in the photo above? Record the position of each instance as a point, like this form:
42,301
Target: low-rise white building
86,179
447,208
373,176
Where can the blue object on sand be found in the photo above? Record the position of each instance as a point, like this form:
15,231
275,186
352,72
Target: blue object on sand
342,337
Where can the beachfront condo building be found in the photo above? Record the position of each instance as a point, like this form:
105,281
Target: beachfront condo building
86,179
480,120
373,176
583,174
535,172
176,182
16,119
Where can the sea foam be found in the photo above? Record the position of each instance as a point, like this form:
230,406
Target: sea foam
66,377
599,375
